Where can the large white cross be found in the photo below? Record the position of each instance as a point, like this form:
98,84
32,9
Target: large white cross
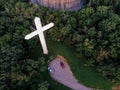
39,32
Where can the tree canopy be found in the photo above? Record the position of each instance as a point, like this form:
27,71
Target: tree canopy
93,33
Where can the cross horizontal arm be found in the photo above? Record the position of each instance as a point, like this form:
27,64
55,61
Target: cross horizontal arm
31,35
39,31
48,26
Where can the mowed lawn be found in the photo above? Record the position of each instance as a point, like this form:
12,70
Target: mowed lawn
86,75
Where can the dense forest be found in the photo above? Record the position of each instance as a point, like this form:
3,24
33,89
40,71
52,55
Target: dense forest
93,32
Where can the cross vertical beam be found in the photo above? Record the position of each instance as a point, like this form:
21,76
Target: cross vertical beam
40,33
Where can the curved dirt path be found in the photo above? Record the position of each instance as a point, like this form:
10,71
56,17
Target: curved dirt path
64,75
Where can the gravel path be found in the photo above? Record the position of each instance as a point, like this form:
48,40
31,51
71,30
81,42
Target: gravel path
64,75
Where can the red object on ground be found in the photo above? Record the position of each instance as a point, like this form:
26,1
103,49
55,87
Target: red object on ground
62,64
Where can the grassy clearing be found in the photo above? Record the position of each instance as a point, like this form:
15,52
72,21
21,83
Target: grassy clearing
86,75
36,52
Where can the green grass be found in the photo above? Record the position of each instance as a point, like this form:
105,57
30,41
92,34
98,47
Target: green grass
35,53
86,75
